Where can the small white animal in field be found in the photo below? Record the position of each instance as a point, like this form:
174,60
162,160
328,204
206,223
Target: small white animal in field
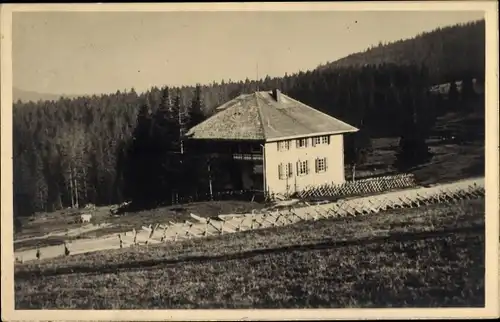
86,218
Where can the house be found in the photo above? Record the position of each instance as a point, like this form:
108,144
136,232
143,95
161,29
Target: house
271,142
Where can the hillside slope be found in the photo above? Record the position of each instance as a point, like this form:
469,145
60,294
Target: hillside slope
448,52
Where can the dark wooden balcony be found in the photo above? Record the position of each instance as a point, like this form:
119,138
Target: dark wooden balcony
248,156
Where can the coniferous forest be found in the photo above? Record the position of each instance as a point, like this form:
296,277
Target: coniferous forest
112,148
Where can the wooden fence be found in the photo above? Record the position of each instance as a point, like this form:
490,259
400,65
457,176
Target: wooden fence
246,195
202,227
359,187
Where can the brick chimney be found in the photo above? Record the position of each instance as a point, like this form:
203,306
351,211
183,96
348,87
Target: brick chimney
277,95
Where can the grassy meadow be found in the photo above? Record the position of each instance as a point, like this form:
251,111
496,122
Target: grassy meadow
424,257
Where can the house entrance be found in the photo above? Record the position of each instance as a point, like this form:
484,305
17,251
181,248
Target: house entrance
248,176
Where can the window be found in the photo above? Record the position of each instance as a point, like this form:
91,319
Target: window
288,170
285,171
256,149
301,143
320,165
302,168
283,145
321,140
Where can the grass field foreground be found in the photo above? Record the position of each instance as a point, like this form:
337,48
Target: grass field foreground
423,257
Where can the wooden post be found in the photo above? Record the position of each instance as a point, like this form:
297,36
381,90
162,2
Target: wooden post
181,132
210,180
264,169
72,192
76,192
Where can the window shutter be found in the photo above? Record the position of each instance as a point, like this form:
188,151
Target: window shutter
307,167
280,170
290,170
316,162
313,141
298,165
278,145
305,142
326,165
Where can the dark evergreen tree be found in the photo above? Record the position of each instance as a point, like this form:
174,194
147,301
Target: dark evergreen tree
164,135
138,172
196,113
413,149
358,147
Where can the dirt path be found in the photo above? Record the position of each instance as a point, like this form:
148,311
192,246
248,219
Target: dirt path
70,232
195,229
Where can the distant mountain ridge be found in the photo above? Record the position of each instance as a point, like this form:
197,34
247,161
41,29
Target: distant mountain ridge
448,52
26,96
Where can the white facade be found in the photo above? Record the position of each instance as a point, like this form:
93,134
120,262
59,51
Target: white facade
292,165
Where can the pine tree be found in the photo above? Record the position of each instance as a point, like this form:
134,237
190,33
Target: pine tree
138,171
167,145
40,183
358,148
413,149
164,125
71,148
196,114
194,164
358,145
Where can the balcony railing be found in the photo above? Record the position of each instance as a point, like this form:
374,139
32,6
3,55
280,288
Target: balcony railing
238,156
247,156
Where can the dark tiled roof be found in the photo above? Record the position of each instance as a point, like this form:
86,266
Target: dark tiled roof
259,116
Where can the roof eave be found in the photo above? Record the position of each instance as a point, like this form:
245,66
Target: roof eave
291,137
224,139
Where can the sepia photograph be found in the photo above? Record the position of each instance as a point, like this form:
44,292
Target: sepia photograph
248,159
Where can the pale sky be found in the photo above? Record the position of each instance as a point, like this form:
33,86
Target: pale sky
87,53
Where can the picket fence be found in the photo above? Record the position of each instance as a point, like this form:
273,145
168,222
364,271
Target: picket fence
302,210
359,187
